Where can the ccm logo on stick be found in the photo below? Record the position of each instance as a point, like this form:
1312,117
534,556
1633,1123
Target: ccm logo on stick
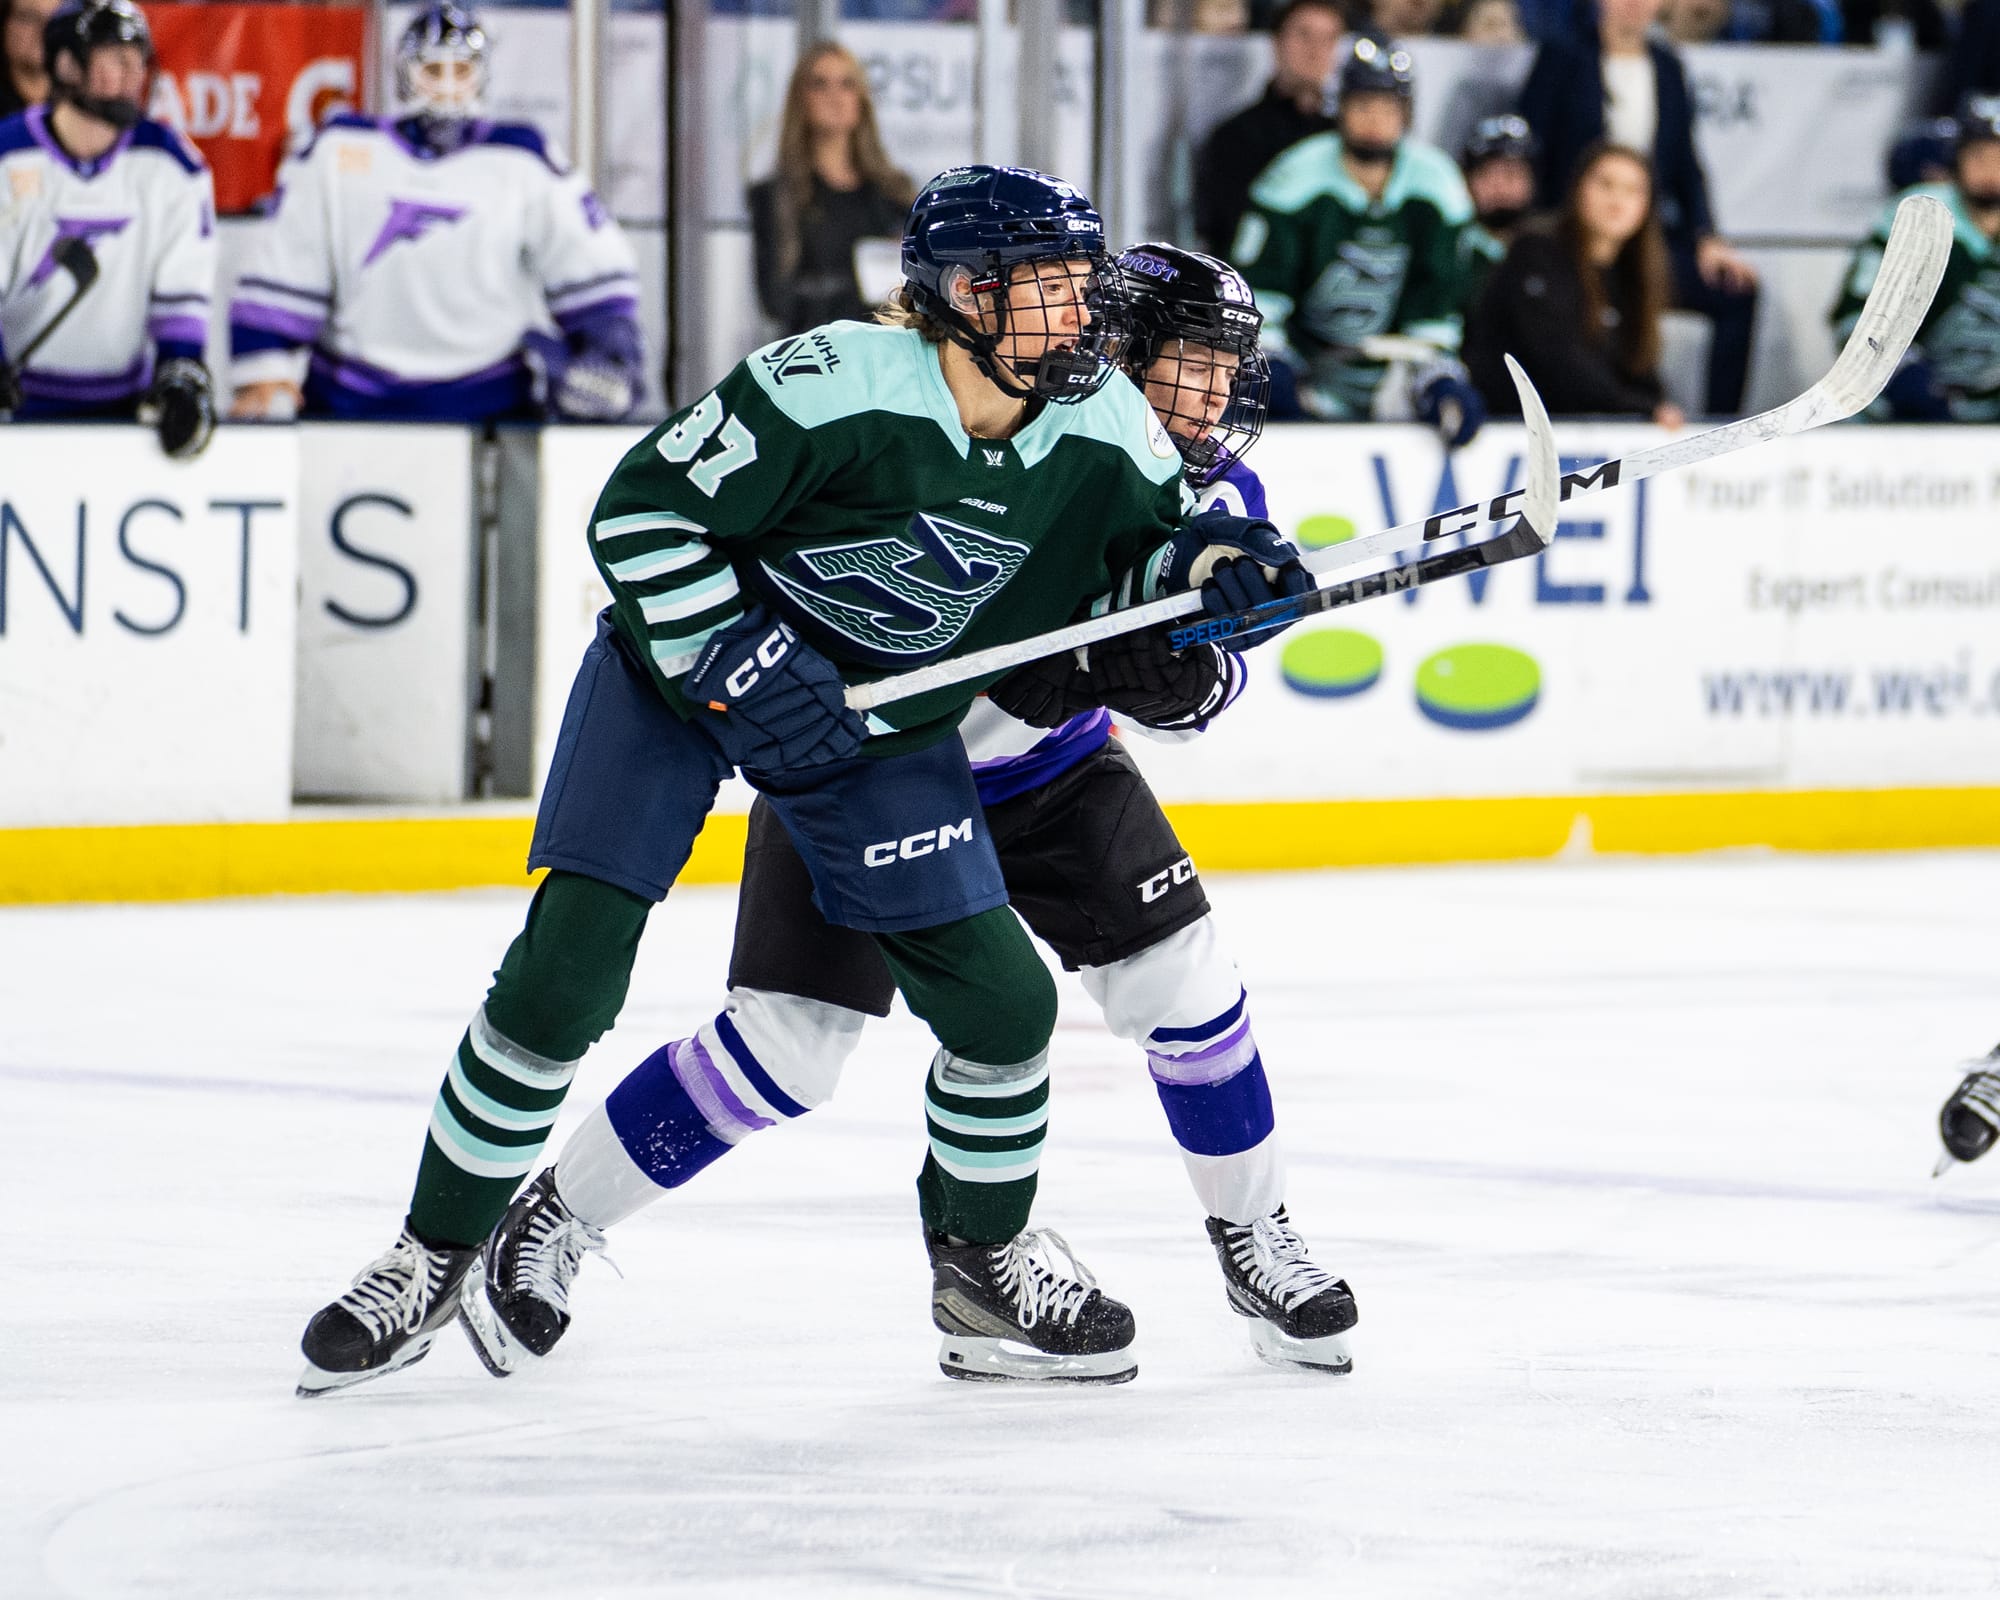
1182,871
890,851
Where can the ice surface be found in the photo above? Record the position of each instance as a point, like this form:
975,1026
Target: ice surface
1628,1164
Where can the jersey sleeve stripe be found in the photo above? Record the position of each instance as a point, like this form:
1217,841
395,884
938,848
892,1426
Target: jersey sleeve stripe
292,289
645,522
658,563
178,330
276,319
690,600
568,291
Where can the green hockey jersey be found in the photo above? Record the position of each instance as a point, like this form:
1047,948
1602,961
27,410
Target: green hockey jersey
829,477
1330,268
1960,336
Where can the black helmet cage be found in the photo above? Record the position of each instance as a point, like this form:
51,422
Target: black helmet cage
1220,314
78,31
1063,376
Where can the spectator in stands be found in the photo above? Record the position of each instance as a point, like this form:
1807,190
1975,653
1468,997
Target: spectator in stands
1910,24
1617,83
1489,22
1973,64
1751,21
24,78
833,188
1578,300
1404,19
1294,107
1951,372
1499,166
413,268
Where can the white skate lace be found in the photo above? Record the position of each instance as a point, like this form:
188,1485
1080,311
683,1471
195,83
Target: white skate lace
393,1293
1981,1091
1039,1286
552,1255
1275,1258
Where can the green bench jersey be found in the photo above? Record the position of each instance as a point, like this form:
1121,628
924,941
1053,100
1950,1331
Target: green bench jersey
829,476
1479,252
1330,267
1960,335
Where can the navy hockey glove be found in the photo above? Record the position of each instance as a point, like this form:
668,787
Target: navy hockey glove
593,383
185,405
1236,563
1914,394
782,706
1447,401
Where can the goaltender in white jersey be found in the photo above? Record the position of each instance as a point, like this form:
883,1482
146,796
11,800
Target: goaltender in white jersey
89,168
436,266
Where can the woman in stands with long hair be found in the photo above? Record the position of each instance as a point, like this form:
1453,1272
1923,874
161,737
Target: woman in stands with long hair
1578,300
833,187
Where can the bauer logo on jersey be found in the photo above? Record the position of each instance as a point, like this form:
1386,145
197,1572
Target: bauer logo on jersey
893,599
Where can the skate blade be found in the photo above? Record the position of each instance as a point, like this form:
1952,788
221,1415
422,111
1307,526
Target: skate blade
1003,1361
499,1352
1279,1349
316,1381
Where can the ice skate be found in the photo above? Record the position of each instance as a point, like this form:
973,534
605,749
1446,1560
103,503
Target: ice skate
1970,1120
1026,1310
397,1306
1299,1312
517,1305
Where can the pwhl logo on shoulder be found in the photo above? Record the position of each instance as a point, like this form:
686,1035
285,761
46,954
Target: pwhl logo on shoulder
899,599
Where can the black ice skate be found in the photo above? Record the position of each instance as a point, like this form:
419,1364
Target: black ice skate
1016,1311
388,1319
1299,1312
1970,1119
517,1305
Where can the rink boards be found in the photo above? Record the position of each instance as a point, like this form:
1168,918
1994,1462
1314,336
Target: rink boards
1791,648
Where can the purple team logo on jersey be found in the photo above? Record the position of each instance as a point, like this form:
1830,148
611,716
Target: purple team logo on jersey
410,219
88,229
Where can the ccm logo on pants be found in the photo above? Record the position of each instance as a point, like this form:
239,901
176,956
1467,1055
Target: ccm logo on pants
918,844
1182,871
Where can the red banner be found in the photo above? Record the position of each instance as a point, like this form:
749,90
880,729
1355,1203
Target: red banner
249,83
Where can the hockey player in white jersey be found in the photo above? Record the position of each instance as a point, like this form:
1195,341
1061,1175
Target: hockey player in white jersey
436,266
89,169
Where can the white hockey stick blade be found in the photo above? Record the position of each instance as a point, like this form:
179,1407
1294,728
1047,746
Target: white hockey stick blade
1544,486
1912,265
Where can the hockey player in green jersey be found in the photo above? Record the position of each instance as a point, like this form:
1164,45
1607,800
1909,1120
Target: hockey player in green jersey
1355,234
1952,371
857,500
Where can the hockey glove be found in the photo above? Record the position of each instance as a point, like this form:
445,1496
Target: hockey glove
185,405
590,383
1139,676
1048,692
1447,401
1914,394
1236,563
781,705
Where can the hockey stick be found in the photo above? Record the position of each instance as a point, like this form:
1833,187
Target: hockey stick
1912,263
76,258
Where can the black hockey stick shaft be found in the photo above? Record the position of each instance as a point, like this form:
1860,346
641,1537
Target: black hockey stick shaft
80,262
1518,541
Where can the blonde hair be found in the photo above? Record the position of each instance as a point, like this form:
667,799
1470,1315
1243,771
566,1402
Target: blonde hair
900,311
794,171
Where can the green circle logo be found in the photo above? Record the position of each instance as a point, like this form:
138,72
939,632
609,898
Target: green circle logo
1478,686
1331,663
1317,532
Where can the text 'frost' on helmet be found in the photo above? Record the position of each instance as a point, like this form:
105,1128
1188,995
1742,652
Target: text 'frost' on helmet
442,33
968,230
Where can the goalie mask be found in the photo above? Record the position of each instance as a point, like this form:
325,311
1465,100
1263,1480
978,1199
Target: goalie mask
72,39
1012,265
441,64
1194,351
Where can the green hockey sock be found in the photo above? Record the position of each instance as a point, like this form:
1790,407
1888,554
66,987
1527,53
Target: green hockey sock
986,1127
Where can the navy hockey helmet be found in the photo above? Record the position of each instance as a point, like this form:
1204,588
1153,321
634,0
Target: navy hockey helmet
1977,122
445,33
1923,153
968,230
1499,138
1377,66
1212,410
74,33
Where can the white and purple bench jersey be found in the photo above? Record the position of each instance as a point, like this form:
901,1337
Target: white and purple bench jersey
1010,757
414,273
146,208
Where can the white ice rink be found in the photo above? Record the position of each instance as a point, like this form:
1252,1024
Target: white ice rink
1629,1166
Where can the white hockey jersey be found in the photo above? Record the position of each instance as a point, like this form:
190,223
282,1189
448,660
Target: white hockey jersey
146,208
414,274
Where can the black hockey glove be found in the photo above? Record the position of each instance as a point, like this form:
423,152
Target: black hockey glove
1236,563
1046,693
772,702
186,407
1139,676
1446,399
